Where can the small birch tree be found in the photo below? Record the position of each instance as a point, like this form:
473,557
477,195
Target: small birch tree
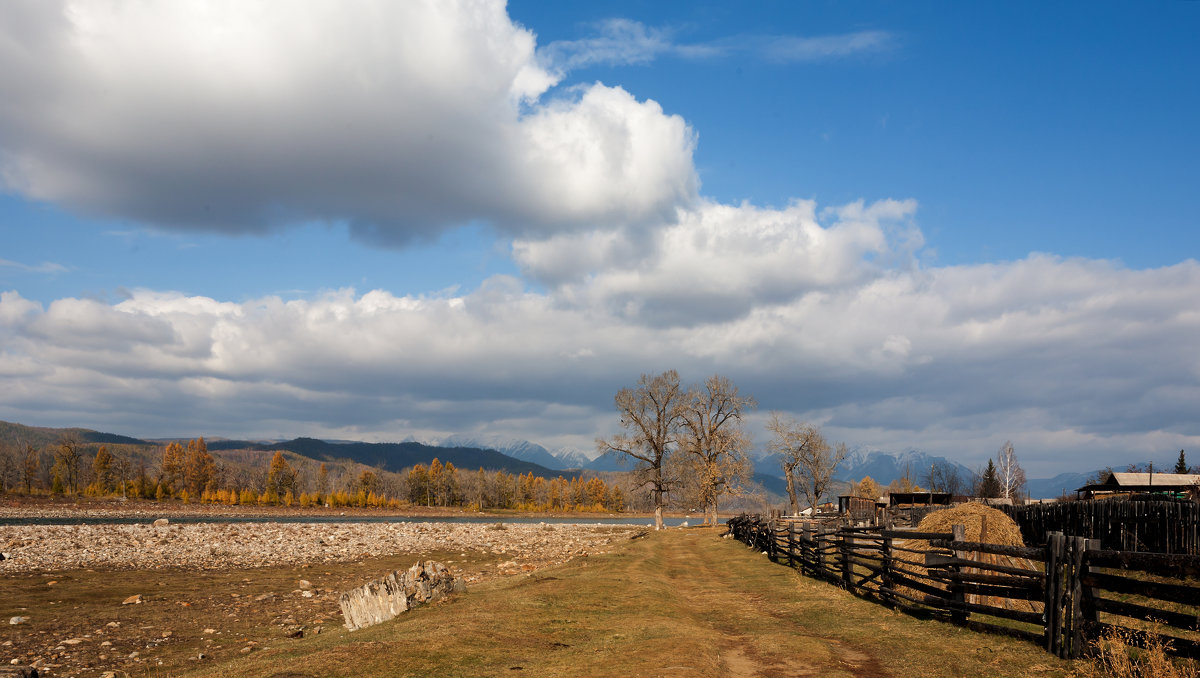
1009,472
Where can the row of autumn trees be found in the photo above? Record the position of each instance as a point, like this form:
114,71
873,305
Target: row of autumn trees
191,473
691,439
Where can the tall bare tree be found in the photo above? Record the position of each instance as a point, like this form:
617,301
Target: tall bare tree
712,436
806,456
944,477
8,466
30,467
1010,473
651,413
68,456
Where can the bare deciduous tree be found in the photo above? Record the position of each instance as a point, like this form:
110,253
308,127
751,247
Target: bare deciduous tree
8,466
68,456
651,414
714,441
805,452
944,477
30,467
1010,473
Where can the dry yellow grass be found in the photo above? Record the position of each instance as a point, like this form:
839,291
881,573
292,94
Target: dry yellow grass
1117,656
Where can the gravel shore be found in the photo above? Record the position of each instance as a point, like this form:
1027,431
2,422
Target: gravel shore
211,546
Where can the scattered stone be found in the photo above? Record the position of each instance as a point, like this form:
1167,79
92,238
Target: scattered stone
304,584
114,624
161,522
52,582
306,594
19,671
264,596
247,649
383,599
210,631
18,620
201,656
135,599
107,643
167,634
73,641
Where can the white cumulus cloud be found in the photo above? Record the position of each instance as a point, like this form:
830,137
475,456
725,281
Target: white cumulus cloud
399,118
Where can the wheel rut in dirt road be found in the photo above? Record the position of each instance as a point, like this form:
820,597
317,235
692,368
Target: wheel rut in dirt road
727,607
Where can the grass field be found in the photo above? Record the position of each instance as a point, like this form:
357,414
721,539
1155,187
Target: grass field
678,603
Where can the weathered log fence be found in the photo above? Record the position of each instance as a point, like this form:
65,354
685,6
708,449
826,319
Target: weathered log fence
1061,595
1151,526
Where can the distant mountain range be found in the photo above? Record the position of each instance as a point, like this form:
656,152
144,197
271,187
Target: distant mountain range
470,452
561,459
397,456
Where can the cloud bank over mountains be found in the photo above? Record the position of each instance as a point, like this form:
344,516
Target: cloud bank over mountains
404,120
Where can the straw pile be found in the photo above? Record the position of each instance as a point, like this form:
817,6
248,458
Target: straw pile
980,522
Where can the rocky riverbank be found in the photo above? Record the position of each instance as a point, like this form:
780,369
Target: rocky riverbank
213,546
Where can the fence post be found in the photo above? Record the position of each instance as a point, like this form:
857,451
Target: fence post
957,594
1077,567
847,566
1091,616
791,544
1055,543
819,547
808,553
885,577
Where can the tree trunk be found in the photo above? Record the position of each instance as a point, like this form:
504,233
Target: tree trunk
791,490
658,524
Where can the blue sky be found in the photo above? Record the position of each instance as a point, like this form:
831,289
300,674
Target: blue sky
923,225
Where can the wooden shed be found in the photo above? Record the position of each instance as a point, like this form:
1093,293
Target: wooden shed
1178,485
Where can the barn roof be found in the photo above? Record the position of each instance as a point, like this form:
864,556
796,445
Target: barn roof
1144,482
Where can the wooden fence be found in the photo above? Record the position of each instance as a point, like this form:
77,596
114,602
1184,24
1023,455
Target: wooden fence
1151,526
1061,595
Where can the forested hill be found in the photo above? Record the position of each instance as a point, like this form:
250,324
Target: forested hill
19,435
398,456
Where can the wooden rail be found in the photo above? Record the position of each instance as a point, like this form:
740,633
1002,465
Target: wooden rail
1061,595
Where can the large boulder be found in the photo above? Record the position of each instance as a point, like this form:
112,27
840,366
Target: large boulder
383,599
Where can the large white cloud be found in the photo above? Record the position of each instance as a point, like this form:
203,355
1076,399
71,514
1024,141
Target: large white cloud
400,118
1063,356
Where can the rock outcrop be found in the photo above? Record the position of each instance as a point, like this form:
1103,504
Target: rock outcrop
385,598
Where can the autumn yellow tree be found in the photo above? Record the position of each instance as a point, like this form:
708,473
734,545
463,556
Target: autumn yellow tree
199,468
102,470
713,439
868,488
172,466
418,485
651,413
280,476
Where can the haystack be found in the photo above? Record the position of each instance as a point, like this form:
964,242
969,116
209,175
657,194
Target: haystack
980,523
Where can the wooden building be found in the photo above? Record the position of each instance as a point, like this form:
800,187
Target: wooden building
1176,485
